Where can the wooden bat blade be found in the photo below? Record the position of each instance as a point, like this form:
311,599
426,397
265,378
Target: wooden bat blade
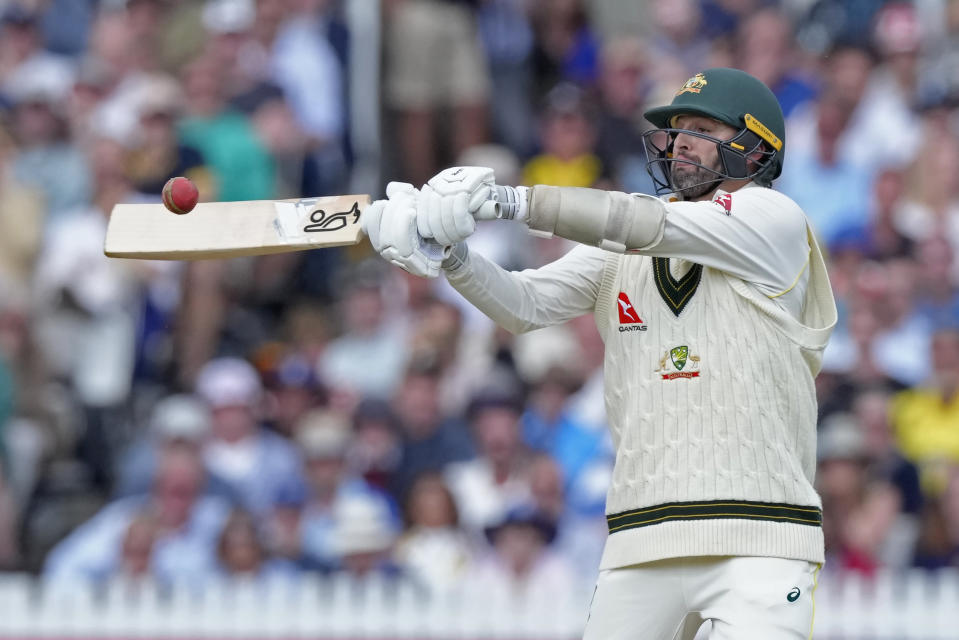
232,229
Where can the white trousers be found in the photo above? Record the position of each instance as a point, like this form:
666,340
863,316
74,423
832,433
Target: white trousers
740,598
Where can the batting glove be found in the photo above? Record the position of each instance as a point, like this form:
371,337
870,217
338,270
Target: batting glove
452,201
391,227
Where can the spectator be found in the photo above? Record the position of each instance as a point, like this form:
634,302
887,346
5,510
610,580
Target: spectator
283,527
903,340
676,37
925,418
369,336
176,421
242,553
521,562
885,239
187,527
852,351
22,55
376,452
323,438
136,553
159,154
938,302
88,308
230,44
580,533
420,84
431,440
21,223
567,48
931,205
882,131
292,390
66,25
241,166
441,338
861,513
622,87
871,409
246,457
433,549
550,427
302,59
764,49
506,32
362,537
897,35
568,137
841,198
48,159
497,480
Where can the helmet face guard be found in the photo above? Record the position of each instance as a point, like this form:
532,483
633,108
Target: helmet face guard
735,156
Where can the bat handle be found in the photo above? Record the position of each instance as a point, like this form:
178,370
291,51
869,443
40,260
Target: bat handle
504,203
489,210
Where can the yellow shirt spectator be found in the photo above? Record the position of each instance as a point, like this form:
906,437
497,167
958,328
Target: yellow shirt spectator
926,421
581,171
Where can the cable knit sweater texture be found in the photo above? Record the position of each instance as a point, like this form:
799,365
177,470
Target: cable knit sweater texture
713,414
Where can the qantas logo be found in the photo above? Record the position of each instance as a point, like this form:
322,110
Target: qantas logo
629,320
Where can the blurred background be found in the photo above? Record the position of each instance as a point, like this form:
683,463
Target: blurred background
316,443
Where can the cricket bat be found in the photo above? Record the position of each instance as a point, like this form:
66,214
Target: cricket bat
233,229
252,227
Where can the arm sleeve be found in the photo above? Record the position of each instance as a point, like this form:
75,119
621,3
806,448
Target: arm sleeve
534,298
761,238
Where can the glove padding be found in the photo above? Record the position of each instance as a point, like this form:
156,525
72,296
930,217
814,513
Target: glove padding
449,203
391,227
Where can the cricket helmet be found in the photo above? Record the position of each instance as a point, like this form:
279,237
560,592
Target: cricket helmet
732,97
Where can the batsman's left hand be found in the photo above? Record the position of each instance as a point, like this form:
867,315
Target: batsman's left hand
391,227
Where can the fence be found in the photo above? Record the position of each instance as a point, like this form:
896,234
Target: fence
907,606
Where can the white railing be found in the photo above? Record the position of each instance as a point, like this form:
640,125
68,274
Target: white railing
908,606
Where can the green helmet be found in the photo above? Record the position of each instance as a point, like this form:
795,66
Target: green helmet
737,99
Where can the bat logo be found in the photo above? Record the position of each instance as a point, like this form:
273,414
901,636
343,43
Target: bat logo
332,222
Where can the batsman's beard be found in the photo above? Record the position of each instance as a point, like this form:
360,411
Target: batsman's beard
693,181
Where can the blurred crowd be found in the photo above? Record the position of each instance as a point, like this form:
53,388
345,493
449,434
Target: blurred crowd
325,412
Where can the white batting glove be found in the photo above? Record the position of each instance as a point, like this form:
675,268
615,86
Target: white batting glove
391,227
452,201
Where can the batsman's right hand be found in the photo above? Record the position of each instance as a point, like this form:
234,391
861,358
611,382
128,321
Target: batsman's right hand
452,201
391,227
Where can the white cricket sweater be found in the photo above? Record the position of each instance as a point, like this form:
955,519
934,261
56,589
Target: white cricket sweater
709,381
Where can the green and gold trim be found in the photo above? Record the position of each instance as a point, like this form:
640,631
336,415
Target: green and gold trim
676,293
714,510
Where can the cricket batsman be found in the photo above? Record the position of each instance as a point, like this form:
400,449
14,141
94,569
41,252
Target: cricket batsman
714,305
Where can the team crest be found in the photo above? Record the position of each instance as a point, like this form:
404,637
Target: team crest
693,85
725,200
673,364
678,355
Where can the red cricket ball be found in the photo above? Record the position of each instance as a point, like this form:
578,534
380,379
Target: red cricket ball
180,195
